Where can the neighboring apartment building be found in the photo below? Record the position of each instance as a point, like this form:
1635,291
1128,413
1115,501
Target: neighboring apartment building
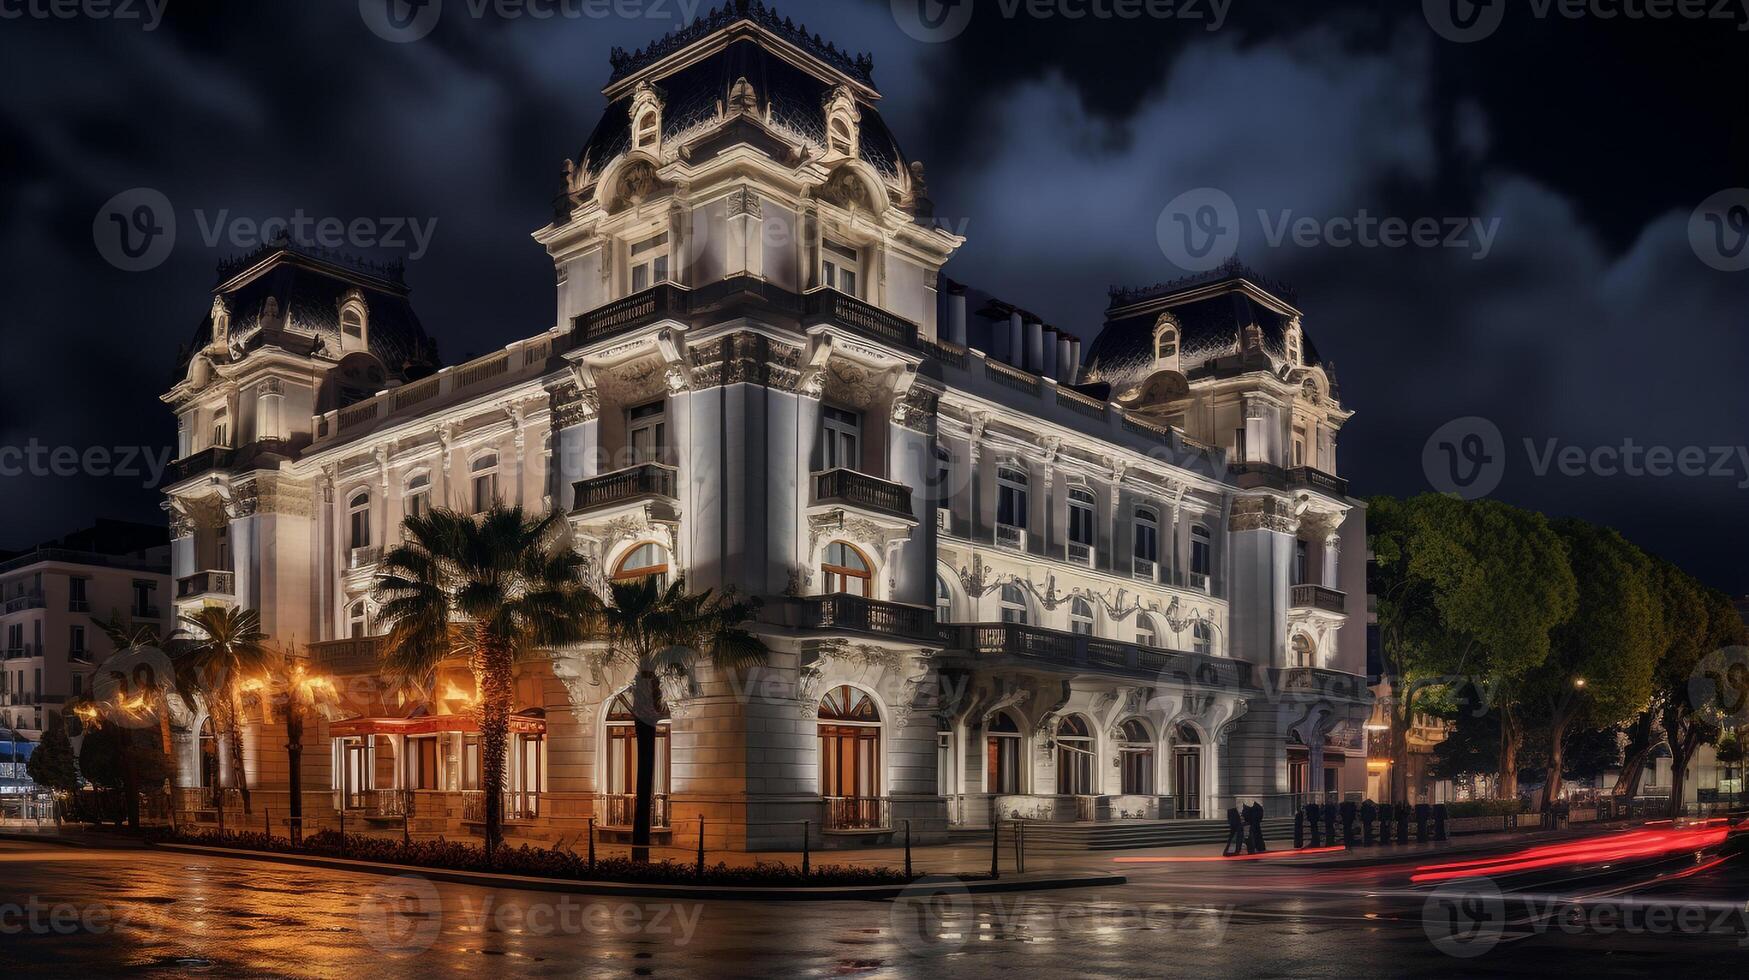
50,599
998,577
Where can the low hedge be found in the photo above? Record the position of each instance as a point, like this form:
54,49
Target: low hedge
1484,808
540,862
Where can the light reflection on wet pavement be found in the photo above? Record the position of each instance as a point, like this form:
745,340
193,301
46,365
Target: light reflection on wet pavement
85,913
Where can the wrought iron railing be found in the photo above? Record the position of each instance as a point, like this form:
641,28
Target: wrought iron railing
858,813
659,301
376,802
29,600
642,480
1075,650
1319,680
362,653
1080,554
1319,597
862,490
843,309
617,810
210,458
1309,476
517,805
854,612
1009,536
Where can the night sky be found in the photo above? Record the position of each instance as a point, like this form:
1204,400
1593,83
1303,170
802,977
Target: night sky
1053,144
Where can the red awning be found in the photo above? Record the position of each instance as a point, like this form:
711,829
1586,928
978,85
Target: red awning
430,725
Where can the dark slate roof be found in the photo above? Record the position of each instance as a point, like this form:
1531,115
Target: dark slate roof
627,63
690,96
307,284
1213,310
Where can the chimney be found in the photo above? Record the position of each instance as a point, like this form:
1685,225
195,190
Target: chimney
1016,340
1035,334
1075,359
1048,366
1065,359
956,315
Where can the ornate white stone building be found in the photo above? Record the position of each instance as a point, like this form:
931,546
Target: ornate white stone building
1000,575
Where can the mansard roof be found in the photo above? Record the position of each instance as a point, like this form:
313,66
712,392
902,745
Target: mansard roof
791,98
859,67
306,285
1212,309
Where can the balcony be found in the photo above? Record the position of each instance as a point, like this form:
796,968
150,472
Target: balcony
1076,653
1256,473
1009,536
363,557
1324,682
1197,582
26,650
1316,479
1320,598
516,805
661,301
944,520
381,803
1080,554
843,611
28,600
845,310
854,489
194,464
358,655
213,584
858,813
643,481
1144,568
617,810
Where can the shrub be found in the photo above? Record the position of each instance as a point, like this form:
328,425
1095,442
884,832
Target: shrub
1484,808
540,862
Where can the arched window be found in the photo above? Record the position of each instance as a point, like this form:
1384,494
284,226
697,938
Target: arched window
850,756
1147,542
1202,638
1081,525
1186,771
357,620
1294,347
648,130
484,471
1166,344
838,137
943,600
1305,652
1146,635
1002,755
1011,486
1080,616
1074,757
1135,758
621,784
418,495
846,570
646,559
221,427
358,519
352,326
1012,600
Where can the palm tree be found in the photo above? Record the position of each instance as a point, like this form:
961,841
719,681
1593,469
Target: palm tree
492,587
301,691
145,688
662,630
224,655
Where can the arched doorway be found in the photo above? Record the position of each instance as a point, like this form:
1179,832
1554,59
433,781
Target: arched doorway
849,734
1074,757
1135,751
621,778
1187,772
1002,755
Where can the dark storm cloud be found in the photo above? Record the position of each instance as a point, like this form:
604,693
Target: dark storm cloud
1054,144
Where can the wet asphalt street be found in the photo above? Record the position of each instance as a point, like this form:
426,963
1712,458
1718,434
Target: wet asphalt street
67,912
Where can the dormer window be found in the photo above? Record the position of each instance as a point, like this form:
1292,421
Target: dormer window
649,131
270,410
221,427
840,136
842,116
838,267
1294,347
649,262
1166,342
354,322
646,113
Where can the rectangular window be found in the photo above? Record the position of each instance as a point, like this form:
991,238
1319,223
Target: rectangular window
1080,519
1239,445
485,491
1299,447
76,642
649,262
76,595
838,267
1302,564
647,433
422,763
842,435
470,762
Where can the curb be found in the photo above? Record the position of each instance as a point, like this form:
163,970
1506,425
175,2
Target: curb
95,844
833,893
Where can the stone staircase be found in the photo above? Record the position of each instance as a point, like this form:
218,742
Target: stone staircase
1119,835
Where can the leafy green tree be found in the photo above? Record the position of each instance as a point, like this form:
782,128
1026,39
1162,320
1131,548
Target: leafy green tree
1480,586
1641,736
123,761
662,630
490,588
1687,724
52,765
1599,669
154,693
222,654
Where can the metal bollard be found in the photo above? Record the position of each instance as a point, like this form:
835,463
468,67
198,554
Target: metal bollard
342,829
701,846
805,829
907,850
592,845
995,848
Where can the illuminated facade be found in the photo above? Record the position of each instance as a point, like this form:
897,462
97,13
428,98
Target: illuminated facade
1001,575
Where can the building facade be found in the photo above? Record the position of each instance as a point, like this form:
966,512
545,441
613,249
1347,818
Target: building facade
52,598
1000,575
